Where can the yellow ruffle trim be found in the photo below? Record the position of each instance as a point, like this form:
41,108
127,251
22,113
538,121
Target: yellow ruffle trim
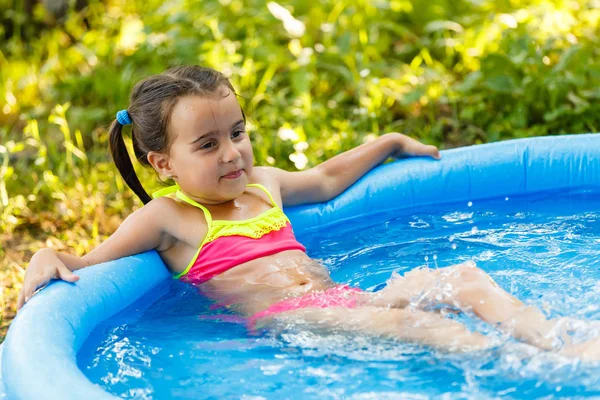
271,220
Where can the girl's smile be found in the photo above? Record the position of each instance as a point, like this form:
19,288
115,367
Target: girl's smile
234,174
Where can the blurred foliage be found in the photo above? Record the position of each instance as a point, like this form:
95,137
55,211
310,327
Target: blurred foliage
314,78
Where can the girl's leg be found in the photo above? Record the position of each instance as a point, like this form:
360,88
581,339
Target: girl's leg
469,288
407,325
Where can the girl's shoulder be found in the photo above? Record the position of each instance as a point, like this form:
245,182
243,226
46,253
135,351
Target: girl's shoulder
183,228
171,208
165,205
177,217
265,176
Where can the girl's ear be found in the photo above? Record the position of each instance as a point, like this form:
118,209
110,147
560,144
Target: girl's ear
160,162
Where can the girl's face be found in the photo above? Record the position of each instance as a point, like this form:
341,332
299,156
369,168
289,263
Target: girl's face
211,155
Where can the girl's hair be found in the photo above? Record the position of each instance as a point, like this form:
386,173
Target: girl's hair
151,104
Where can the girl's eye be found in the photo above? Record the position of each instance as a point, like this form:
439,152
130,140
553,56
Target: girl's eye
237,134
210,145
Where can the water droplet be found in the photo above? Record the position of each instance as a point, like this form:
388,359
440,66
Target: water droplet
470,204
453,246
506,199
435,256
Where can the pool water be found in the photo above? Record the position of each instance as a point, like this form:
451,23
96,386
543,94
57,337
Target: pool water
544,248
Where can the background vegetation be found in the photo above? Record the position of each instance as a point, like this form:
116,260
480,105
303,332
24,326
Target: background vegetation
316,78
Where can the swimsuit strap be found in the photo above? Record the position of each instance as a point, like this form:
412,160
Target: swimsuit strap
180,195
258,185
165,191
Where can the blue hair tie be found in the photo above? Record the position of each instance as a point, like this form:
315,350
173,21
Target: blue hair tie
123,117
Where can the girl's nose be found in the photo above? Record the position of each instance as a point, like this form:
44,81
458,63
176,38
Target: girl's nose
230,153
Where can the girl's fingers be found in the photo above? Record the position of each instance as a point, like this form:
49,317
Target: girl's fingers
66,275
20,301
29,288
24,296
433,152
419,149
429,150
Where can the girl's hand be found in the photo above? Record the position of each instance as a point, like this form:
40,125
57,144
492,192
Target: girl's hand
43,267
409,147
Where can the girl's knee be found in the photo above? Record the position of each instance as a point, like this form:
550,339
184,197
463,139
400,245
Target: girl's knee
472,281
469,272
478,341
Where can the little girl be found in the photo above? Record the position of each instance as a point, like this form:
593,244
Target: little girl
222,228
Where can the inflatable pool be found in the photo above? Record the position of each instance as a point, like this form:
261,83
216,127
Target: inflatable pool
39,355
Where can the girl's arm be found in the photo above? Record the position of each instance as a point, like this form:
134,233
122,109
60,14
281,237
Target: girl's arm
145,229
332,177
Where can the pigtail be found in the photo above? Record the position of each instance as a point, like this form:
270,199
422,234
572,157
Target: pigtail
123,162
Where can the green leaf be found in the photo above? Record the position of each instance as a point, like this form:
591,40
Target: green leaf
501,83
435,26
567,58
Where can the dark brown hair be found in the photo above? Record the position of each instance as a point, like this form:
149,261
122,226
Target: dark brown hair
152,101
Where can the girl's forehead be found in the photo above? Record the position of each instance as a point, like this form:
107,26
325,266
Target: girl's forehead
194,115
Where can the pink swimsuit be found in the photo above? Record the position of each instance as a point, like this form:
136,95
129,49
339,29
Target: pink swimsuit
231,243
338,296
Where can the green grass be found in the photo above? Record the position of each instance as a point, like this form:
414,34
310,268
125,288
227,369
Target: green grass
450,73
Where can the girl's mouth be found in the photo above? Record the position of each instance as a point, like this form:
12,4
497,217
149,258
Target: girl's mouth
233,175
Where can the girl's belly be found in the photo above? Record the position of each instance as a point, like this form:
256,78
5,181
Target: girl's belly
253,286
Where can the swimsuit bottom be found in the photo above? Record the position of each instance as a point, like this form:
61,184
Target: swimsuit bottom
337,296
